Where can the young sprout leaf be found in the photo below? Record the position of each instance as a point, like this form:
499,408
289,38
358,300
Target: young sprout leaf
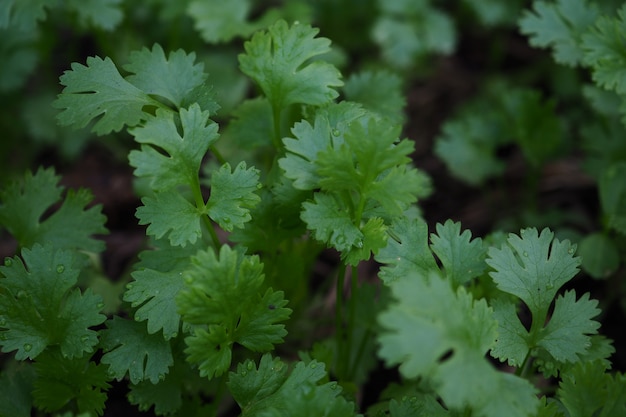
224,301
41,306
279,61
129,349
184,153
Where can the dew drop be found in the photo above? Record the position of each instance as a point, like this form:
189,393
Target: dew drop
161,377
84,338
129,286
227,220
359,244
28,347
333,386
250,366
8,261
313,365
3,321
549,286
244,373
100,305
22,294
336,132
259,186
60,268
525,254
571,251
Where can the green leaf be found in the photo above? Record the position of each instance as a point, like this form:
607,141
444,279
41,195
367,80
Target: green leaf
442,335
512,344
17,385
270,389
277,60
104,14
169,213
168,158
62,380
40,306
220,21
98,91
462,259
23,14
19,57
176,78
130,349
308,141
600,256
603,52
374,238
71,226
331,223
407,251
224,301
233,195
378,91
533,267
422,406
157,280
588,391
566,336
559,26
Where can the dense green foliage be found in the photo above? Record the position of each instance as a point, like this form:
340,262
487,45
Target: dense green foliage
263,137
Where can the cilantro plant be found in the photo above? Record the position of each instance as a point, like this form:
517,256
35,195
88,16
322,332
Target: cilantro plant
220,314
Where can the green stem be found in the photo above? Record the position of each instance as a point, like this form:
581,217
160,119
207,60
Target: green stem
339,331
276,138
351,313
200,205
217,155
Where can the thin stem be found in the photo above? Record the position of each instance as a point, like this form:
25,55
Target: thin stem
351,312
200,205
217,155
276,138
339,331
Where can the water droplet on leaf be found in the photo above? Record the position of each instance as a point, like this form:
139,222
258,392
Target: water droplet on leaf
28,347
161,377
244,373
313,365
22,294
100,305
525,254
336,132
8,261
60,268
333,386
250,366
571,251
359,244
84,338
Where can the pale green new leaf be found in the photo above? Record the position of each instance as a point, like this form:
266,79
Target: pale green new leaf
463,259
279,61
98,91
233,195
168,158
169,213
604,52
560,26
40,305
129,349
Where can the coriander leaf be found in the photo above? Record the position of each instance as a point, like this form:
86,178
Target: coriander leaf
130,349
19,56
233,195
40,307
157,279
440,334
374,238
407,251
533,267
462,259
174,78
277,60
603,51
378,91
223,299
512,344
567,334
559,26
250,127
417,407
169,213
309,141
600,255
220,21
183,153
271,390
588,391
22,206
61,380
17,385
430,319
105,14
331,223
23,14
97,90
612,190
